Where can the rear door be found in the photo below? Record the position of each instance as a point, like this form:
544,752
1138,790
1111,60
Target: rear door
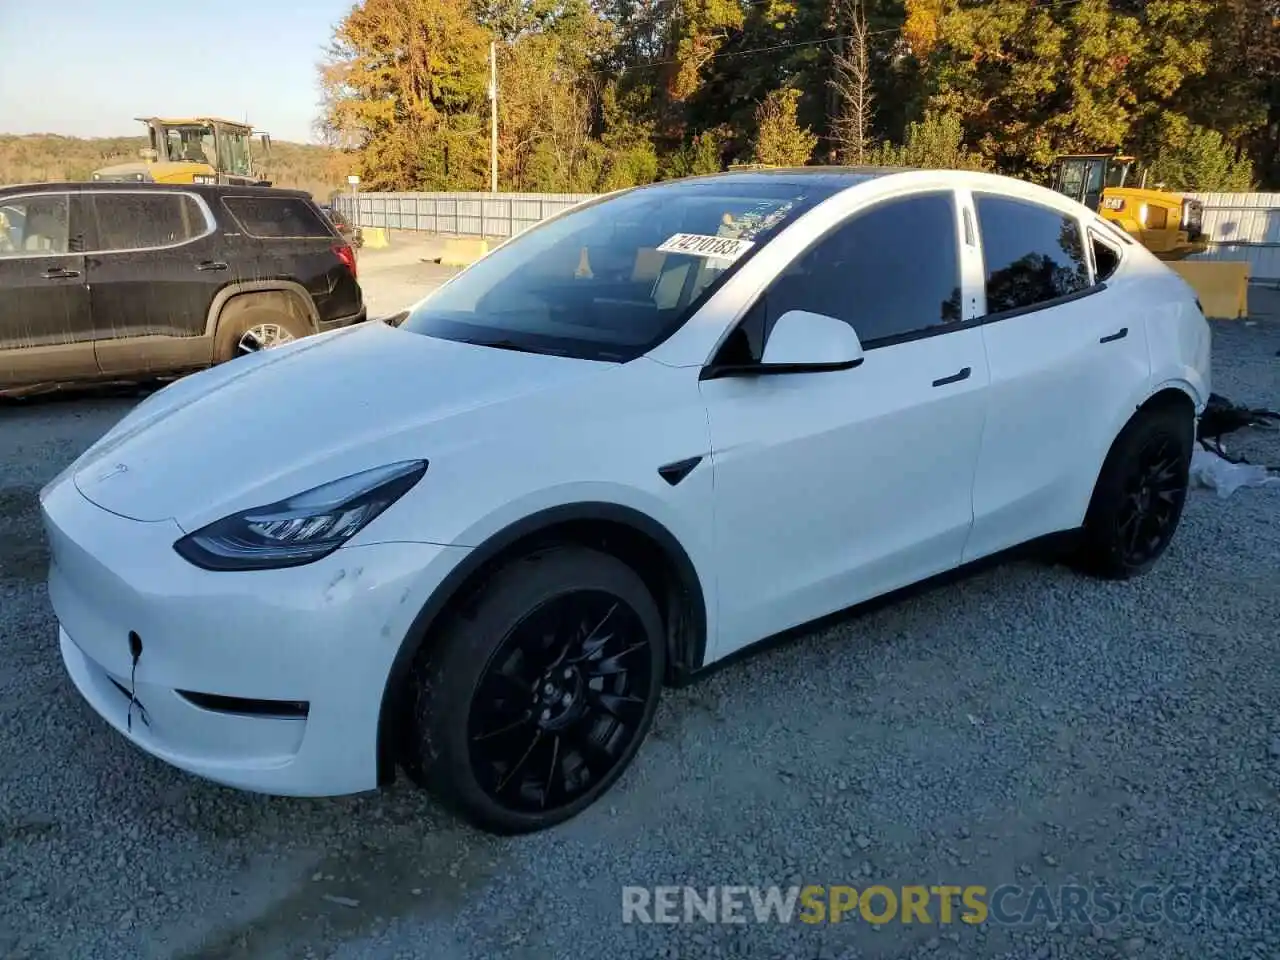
153,272
1064,364
46,331
286,237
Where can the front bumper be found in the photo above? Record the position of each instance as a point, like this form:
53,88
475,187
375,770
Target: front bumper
315,642
324,326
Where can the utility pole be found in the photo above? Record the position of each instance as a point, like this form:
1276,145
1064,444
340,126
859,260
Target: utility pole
493,117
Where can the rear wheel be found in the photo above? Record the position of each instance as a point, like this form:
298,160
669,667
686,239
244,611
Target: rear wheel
254,329
529,705
1139,496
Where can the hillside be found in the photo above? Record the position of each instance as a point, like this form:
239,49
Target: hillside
40,157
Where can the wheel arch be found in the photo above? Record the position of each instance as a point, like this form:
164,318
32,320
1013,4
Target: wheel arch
1170,394
247,293
634,537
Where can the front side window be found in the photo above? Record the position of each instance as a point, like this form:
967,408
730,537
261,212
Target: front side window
141,221
613,278
1033,254
890,272
38,224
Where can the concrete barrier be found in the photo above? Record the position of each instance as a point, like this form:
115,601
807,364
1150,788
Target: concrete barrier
462,251
1221,285
375,238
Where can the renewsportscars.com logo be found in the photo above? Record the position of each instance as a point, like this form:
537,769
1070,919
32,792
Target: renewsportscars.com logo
878,904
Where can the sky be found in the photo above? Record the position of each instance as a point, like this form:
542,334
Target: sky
87,67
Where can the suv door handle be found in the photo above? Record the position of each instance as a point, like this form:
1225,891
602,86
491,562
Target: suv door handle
954,378
211,265
1118,335
59,273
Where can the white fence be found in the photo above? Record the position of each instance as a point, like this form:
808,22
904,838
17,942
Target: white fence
1244,226
1241,226
456,214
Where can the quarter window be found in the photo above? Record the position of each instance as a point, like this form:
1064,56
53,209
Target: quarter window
1106,258
141,221
1033,254
890,272
278,217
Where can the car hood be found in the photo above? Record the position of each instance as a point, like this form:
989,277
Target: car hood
268,426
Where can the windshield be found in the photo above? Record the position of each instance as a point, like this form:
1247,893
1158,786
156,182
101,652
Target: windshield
193,144
614,278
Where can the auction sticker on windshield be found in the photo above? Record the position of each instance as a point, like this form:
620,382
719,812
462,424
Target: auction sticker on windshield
701,245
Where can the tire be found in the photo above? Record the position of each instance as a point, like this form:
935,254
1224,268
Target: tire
233,329
470,720
1126,530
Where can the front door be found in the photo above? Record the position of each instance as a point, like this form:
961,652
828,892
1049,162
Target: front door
46,332
835,487
153,273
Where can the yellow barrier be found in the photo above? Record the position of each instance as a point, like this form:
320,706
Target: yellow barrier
462,252
1221,285
375,238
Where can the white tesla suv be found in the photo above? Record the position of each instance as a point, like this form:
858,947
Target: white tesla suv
664,425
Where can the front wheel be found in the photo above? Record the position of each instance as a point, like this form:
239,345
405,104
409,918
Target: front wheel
1139,496
530,704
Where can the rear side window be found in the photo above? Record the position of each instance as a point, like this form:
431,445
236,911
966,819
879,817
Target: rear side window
890,272
142,221
1033,254
278,218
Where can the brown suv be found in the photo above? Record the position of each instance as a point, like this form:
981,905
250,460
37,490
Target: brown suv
128,281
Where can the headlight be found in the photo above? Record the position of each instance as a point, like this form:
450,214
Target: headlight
303,528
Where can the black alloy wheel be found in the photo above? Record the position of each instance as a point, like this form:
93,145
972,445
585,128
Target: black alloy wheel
562,698
529,705
1139,495
1153,497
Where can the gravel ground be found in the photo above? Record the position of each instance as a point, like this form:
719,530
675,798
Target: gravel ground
1021,725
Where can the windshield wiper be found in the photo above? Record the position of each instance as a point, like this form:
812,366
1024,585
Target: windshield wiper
517,347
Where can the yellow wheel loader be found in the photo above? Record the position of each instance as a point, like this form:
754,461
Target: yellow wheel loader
194,150
1168,224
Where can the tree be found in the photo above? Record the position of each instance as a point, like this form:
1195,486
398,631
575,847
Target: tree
853,88
1194,158
702,155
406,82
934,143
780,140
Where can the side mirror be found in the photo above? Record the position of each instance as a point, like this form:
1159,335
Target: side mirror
800,338
800,342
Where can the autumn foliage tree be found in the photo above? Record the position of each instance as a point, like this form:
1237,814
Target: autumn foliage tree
599,94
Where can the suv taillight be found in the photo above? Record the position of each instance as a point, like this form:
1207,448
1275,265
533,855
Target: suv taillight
347,256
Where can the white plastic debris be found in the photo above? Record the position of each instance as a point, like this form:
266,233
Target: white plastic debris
1213,472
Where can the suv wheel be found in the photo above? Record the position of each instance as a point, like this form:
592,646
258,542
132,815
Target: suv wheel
534,699
254,329
1138,500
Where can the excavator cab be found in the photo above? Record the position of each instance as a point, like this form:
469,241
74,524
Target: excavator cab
1086,177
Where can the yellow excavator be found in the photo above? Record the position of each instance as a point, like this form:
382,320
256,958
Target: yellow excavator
1168,224
194,150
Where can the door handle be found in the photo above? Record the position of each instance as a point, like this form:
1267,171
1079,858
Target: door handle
211,265
954,378
59,273
1118,335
